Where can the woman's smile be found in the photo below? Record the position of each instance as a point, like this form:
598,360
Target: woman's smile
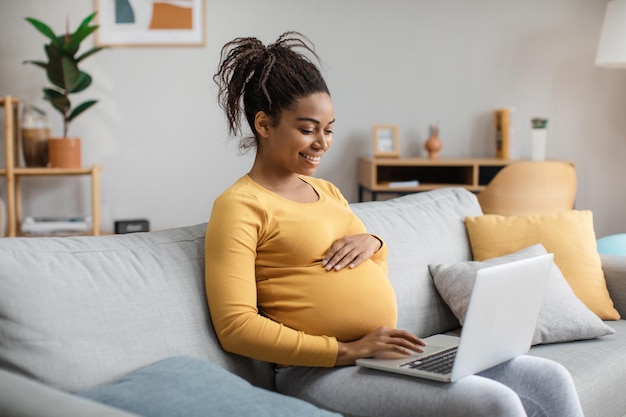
311,158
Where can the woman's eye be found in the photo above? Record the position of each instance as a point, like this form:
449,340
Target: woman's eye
328,132
306,131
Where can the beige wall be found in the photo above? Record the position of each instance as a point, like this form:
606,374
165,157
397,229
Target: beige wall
162,139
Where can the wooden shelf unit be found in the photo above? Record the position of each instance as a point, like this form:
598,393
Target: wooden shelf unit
14,174
376,174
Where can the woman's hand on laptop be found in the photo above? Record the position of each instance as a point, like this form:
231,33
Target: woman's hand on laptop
383,342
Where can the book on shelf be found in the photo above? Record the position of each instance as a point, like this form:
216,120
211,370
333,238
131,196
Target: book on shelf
403,184
53,225
504,124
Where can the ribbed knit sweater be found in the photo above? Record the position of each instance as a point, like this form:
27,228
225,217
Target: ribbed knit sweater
270,297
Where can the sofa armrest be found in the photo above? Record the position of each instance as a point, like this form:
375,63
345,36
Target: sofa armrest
24,397
614,268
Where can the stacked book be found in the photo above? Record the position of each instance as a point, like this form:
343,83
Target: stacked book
56,225
403,184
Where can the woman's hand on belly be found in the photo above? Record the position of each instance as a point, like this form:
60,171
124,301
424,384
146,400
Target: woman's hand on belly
350,251
382,342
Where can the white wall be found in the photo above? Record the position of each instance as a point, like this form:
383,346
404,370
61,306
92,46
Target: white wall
162,138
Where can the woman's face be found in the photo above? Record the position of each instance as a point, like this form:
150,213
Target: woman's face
296,145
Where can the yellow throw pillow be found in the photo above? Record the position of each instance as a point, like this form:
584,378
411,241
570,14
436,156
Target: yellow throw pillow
568,234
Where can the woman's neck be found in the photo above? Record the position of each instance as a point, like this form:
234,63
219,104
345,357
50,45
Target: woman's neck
291,186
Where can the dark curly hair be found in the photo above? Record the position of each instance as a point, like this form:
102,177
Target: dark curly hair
268,78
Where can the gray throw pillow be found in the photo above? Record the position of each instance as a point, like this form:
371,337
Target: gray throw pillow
563,317
187,387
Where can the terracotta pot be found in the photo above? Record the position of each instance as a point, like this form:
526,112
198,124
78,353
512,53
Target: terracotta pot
64,152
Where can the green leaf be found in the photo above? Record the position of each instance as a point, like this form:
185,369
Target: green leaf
54,69
77,37
81,33
38,63
71,73
79,109
57,99
44,29
90,52
87,20
62,70
84,81
51,93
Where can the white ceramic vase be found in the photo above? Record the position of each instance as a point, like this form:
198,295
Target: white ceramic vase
539,139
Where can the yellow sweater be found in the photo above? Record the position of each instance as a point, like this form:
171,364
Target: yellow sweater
270,297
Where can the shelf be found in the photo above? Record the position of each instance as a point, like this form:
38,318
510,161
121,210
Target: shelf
422,187
54,171
14,174
375,174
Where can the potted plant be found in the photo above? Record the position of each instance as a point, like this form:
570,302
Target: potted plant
66,79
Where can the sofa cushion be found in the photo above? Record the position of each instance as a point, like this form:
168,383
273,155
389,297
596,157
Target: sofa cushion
188,387
563,317
21,396
78,312
613,244
614,268
568,234
597,367
420,229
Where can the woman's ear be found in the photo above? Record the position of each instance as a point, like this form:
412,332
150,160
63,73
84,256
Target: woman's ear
262,123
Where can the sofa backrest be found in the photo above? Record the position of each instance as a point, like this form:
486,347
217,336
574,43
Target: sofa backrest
81,311
421,229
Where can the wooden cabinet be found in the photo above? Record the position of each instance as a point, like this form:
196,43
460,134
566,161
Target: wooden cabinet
411,175
14,174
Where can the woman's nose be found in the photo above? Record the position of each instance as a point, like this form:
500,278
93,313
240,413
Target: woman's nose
320,142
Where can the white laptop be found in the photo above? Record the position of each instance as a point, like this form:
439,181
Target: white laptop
499,325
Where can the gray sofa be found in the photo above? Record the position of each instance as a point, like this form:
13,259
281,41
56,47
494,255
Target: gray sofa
78,314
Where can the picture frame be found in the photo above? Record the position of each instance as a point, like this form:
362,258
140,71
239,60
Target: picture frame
385,141
150,23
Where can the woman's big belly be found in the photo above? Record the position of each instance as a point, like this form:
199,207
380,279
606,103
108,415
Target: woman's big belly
346,304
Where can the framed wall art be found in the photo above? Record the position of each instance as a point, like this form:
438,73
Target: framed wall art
150,22
386,142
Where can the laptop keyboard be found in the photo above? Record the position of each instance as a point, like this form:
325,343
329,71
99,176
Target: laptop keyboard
439,363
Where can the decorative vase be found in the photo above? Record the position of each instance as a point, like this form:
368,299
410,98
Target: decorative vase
538,138
35,133
433,144
64,152
539,141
